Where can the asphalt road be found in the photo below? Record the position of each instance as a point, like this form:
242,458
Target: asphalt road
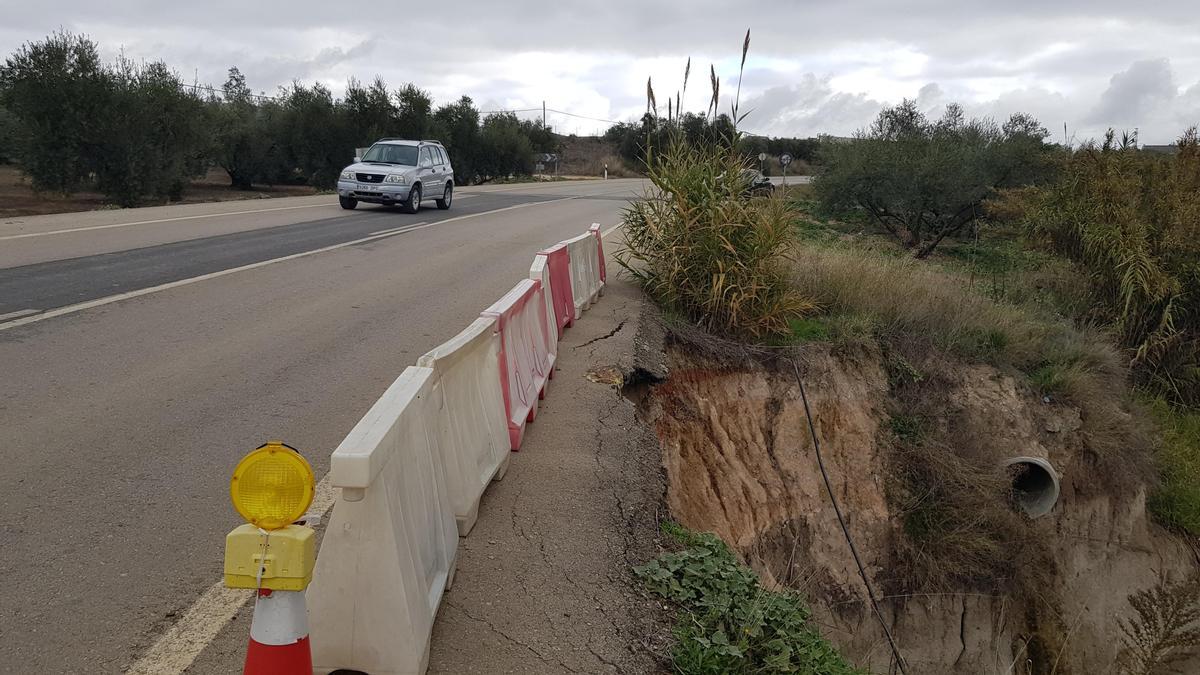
121,420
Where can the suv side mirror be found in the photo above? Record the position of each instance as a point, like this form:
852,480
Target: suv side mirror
357,159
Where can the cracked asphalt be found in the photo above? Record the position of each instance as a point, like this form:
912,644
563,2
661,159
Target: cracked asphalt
544,582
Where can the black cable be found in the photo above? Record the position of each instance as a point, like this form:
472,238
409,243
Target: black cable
571,114
842,521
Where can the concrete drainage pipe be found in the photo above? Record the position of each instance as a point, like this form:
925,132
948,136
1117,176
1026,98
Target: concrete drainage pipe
1034,483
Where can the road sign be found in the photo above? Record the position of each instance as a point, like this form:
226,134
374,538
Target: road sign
762,156
785,159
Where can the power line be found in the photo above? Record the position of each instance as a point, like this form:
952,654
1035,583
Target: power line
221,92
549,110
594,119
500,112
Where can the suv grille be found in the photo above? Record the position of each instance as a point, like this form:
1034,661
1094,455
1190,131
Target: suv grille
369,177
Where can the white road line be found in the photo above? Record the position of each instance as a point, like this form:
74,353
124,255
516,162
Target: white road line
523,186
397,229
160,220
79,307
19,312
176,649
614,228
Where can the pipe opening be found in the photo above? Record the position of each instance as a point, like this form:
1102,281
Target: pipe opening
1034,485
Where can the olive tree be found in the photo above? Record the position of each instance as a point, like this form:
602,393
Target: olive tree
58,92
923,180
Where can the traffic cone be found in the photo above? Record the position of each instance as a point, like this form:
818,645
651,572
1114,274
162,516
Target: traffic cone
279,635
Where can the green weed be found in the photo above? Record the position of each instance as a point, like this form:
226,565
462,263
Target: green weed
908,429
727,622
1176,501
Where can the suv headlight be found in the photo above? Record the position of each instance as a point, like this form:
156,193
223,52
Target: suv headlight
395,178
347,175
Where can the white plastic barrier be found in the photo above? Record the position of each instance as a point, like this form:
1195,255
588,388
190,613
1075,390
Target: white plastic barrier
389,548
525,361
540,271
584,252
468,404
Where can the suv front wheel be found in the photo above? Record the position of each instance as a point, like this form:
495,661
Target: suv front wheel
414,200
347,202
447,197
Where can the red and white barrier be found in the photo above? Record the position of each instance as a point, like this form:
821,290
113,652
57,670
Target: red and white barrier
558,262
468,404
584,252
412,471
595,229
389,548
525,361
540,273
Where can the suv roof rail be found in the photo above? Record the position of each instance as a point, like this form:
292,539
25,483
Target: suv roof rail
390,138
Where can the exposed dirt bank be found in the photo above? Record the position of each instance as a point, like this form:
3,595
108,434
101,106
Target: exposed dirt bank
740,462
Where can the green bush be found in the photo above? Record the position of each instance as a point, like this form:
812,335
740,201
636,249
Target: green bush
1176,501
153,140
504,149
728,623
1130,220
11,134
59,92
924,181
699,247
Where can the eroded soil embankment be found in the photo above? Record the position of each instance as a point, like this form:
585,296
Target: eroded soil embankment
740,462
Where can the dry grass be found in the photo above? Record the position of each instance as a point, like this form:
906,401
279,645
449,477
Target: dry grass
917,307
908,298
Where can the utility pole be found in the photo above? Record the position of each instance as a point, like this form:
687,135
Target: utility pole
543,115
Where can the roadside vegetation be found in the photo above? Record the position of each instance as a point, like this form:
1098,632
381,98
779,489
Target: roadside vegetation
728,623
942,245
922,180
696,244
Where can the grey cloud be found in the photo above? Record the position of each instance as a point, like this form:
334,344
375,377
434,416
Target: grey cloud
808,108
1134,93
1053,59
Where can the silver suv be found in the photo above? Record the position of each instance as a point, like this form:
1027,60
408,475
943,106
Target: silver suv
395,171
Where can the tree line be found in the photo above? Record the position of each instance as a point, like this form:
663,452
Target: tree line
631,139
135,131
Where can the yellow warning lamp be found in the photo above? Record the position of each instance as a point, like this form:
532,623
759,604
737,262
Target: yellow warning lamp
272,487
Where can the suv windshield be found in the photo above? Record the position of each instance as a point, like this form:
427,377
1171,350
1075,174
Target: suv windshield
392,154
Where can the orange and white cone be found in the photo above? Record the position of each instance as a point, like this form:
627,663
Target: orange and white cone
279,635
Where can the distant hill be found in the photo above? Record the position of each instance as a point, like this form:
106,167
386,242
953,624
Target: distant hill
588,155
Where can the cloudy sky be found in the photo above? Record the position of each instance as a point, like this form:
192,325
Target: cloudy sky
814,67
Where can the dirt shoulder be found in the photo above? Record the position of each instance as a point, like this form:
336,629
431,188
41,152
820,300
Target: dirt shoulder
17,197
544,581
